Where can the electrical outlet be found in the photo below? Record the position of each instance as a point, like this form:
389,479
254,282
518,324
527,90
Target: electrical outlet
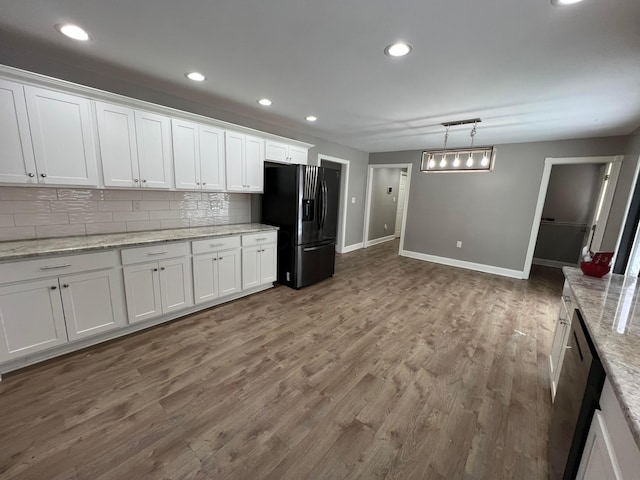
353,199
394,199
459,244
136,206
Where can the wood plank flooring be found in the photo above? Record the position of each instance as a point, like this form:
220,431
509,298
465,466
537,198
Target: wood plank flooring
395,369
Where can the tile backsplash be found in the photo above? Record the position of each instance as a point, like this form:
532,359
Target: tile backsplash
36,212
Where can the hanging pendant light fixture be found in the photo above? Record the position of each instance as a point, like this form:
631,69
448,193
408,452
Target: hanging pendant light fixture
472,159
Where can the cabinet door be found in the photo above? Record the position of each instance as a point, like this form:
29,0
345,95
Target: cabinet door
142,289
154,150
557,348
298,155
118,145
186,154
62,137
254,164
176,284
93,302
268,264
205,277
234,153
229,272
17,163
212,158
276,152
31,318
251,267
598,458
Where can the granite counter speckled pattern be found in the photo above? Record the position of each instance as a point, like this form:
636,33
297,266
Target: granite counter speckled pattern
610,307
81,244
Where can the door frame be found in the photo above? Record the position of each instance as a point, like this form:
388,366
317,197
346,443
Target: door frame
367,206
549,162
402,174
344,197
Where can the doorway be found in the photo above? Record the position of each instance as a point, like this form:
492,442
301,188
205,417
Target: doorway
597,213
343,166
386,203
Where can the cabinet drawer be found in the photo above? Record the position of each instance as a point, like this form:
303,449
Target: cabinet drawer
259,238
214,244
154,252
56,266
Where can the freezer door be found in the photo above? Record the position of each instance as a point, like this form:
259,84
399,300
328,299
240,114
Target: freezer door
314,263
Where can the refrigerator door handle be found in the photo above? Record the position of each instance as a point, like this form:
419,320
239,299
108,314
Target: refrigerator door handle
324,204
318,247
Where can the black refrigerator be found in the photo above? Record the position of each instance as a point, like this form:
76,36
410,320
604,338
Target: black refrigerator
303,201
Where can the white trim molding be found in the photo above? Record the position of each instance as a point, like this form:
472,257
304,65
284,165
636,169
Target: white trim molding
344,199
552,263
377,241
452,262
352,248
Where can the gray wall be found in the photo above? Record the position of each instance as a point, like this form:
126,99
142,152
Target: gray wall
75,68
624,189
383,207
491,213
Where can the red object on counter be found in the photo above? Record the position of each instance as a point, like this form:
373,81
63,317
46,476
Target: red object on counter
594,269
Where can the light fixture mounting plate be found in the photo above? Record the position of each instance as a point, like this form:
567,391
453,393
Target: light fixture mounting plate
461,122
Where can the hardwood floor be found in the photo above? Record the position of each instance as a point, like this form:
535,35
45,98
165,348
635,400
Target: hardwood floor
395,368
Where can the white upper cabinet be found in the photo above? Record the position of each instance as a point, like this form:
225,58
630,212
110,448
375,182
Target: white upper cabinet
135,147
118,146
245,162
212,161
284,153
198,156
17,163
62,137
154,149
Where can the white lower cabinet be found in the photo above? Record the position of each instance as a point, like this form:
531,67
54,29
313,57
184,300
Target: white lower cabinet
93,302
259,265
155,288
560,337
31,318
598,458
216,275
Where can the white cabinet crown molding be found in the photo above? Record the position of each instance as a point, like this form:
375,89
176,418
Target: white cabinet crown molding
39,80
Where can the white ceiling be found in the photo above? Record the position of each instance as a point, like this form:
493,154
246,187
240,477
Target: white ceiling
531,71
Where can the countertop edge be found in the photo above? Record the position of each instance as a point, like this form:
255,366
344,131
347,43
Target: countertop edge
173,235
609,369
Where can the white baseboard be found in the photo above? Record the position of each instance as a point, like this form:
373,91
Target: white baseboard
351,248
452,262
376,241
552,263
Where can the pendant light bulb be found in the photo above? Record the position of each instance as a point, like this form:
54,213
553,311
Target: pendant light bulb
470,161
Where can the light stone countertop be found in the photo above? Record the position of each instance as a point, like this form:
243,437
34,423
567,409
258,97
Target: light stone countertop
87,243
610,308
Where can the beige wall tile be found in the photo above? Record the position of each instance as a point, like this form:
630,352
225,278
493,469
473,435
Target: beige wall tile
17,233
28,193
174,223
115,206
202,222
24,206
155,195
184,205
47,231
90,217
74,206
6,220
164,214
123,195
144,225
80,194
130,216
147,205
25,219
99,228
187,195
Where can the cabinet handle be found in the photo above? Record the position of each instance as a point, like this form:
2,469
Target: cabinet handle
66,285
31,175
197,183
144,181
162,268
155,269
54,288
215,259
136,180
157,253
43,175
217,245
260,239
50,267
204,183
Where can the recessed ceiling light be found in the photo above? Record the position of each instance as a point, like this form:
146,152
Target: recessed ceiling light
265,102
311,118
195,76
73,31
560,3
399,49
